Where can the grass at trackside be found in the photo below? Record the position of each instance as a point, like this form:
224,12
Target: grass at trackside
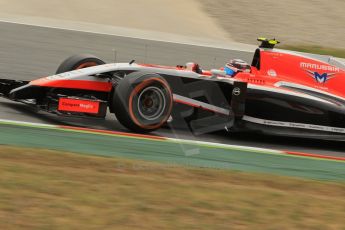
316,50
44,189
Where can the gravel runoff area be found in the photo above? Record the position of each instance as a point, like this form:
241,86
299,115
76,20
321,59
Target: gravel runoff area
179,17
294,22
312,22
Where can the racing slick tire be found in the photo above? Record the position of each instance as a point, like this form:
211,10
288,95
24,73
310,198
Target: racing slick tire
142,102
79,61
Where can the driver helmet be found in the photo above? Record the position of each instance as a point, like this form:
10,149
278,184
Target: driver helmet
236,65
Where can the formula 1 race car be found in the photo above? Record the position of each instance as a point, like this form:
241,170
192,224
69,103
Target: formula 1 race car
283,93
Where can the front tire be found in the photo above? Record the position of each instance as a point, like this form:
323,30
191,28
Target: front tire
79,61
142,102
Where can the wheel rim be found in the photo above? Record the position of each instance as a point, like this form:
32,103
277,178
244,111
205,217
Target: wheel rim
151,103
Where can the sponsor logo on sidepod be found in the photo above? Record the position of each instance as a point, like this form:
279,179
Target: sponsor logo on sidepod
319,67
322,77
272,73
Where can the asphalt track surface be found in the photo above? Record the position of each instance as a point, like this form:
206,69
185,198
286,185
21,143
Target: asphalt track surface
29,52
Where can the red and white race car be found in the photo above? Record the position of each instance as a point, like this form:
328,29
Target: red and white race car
283,93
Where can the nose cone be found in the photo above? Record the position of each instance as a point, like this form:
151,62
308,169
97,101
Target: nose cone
25,92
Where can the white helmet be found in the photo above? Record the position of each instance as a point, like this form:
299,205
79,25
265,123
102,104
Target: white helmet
238,65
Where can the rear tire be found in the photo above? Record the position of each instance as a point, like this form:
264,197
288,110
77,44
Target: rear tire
142,102
79,61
